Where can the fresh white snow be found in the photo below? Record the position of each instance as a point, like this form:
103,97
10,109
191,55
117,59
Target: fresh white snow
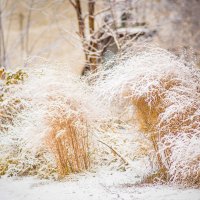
104,185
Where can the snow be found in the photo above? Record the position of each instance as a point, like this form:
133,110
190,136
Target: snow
104,184
18,147
133,31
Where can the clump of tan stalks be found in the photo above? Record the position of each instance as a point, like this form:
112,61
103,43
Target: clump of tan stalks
164,91
68,138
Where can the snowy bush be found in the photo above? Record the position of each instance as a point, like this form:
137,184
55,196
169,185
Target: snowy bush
164,91
22,146
66,125
10,104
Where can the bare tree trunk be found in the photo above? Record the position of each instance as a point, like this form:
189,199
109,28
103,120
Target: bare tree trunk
91,9
81,24
93,45
2,41
28,27
21,24
90,47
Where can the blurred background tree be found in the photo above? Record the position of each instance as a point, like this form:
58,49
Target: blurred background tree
85,33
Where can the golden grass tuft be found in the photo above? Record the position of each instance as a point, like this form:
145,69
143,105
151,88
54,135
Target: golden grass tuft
149,115
68,141
148,118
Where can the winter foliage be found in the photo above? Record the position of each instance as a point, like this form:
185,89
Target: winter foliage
164,91
61,119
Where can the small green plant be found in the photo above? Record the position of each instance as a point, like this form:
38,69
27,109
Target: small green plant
15,78
12,78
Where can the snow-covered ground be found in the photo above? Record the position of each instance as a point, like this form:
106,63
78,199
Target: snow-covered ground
104,185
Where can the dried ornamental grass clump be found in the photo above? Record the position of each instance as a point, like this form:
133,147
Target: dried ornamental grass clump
165,93
46,95
150,87
172,122
68,138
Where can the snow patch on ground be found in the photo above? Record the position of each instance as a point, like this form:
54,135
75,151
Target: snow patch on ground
108,185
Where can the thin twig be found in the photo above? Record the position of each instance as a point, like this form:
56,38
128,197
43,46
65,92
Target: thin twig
115,152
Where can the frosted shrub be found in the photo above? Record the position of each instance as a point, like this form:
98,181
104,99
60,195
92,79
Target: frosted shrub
51,133
146,88
10,104
164,91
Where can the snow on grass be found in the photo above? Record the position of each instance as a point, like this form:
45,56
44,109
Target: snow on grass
43,95
141,113
164,92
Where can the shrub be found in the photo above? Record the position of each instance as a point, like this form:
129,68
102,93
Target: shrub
10,104
164,91
32,141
